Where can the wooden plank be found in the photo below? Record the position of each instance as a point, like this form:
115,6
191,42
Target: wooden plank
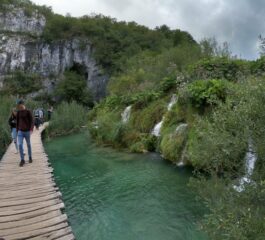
29,221
31,214
68,237
30,203
14,210
35,233
10,211
28,188
40,225
27,194
54,235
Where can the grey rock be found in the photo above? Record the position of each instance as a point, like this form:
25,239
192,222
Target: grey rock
16,20
22,51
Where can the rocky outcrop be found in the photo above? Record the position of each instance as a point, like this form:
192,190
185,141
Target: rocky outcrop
17,20
21,50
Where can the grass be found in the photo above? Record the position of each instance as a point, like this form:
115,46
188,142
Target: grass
66,119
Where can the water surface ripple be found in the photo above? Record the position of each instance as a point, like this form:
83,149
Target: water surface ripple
110,195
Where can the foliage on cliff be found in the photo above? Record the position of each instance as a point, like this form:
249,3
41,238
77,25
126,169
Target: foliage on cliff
28,6
114,42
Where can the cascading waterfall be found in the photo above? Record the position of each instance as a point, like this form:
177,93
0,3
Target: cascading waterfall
157,129
173,101
250,158
125,116
179,130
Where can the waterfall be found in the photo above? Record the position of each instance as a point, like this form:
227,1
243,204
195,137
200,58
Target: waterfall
95,125
173,101
250,160
125,116
179,130
157,129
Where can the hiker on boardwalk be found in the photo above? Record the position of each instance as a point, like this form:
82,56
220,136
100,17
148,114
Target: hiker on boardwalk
12,121
41,115
37,119
50,111
24,129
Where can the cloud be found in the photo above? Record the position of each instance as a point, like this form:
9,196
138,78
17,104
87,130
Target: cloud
237,22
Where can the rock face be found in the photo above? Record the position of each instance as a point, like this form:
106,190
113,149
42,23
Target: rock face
16,20
21,50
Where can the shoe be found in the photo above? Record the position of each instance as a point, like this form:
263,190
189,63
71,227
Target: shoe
22,162
16,152
30,160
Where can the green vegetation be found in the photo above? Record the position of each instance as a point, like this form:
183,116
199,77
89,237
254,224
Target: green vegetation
219,148
73,87
207,92
219,110
114,41
220,68
5,110
66,119
20,84
27,5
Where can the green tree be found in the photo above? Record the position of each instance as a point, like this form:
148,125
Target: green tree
73,87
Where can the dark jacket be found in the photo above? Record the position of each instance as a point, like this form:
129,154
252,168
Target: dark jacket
12,121
24,121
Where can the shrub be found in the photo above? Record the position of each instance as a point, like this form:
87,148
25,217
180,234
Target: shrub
258,67
173,144
73,87
218,147
20,83
67,118
204,93
220,68
144,119
6,106
145,143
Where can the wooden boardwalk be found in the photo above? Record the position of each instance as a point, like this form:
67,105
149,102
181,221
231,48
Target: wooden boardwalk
30,203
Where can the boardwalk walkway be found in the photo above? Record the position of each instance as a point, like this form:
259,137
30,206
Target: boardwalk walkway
30,203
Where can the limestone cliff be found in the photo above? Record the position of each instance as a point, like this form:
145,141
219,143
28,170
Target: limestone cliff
22,48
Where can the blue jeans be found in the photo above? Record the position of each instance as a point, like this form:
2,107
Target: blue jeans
21,135
14,136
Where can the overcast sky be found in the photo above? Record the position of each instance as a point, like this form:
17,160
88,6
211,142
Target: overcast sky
238,22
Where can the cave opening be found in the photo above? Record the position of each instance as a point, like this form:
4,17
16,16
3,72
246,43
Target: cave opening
79,69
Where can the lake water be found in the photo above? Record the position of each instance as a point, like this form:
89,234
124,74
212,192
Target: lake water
112,195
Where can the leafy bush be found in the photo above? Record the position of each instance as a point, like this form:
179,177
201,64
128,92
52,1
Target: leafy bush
218,147
220,68
258,67
145,143
172,145
67,118
232,215
6,105
149,71
20,83
144,119
74,88
207,92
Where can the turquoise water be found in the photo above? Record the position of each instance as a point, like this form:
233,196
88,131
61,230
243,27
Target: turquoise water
111,195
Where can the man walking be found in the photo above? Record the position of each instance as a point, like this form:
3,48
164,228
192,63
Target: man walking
24,128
